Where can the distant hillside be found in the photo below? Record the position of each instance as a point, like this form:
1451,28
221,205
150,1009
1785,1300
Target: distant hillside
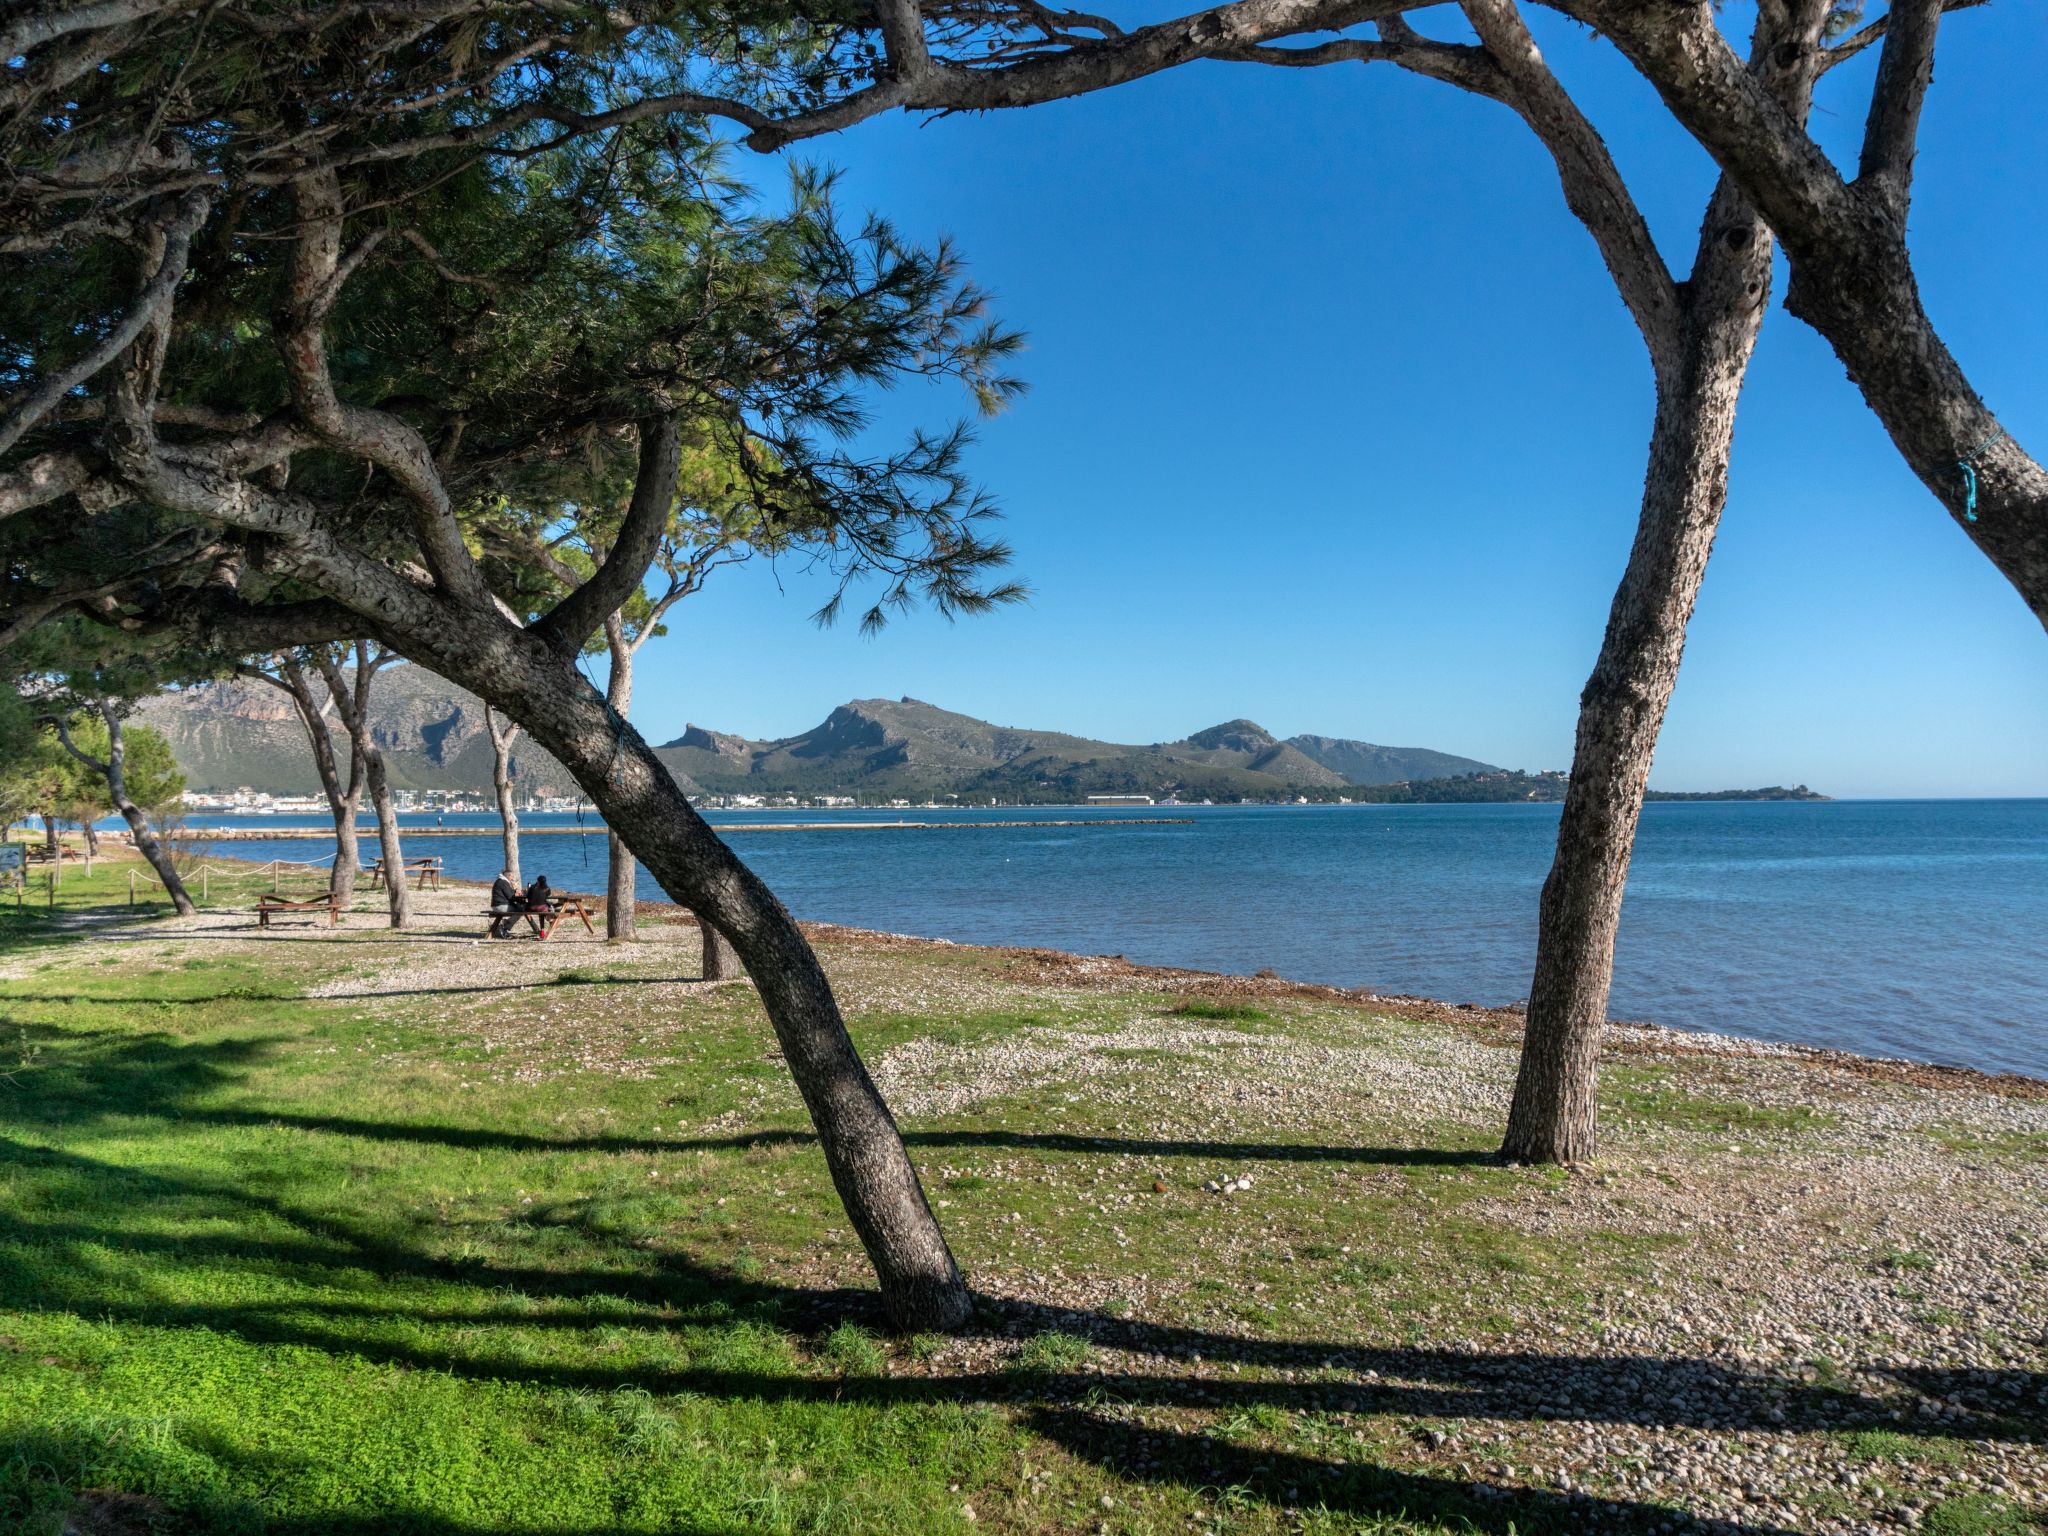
431,733
1774,792
1360,762
1506,785
909,749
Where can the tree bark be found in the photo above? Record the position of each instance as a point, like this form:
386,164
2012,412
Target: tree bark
501,780
1621,711
721,961
1553,1117
114,771
50,843
535,685
353,704
91,834
621,871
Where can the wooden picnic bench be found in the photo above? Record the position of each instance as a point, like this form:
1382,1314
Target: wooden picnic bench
268,903
421,871
544,922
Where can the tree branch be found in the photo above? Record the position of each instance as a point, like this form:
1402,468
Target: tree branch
576,617
152,299
64,735
43,478
1077,70
317,273
1593,186
1891,133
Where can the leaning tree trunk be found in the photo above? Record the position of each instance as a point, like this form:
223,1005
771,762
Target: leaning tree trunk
115,771
501,736
537,686
721,961
1621,710
621,872
91,834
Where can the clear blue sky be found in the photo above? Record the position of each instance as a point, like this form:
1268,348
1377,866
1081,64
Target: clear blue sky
1336,422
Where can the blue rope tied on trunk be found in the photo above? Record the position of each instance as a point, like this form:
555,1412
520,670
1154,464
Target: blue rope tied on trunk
1968,465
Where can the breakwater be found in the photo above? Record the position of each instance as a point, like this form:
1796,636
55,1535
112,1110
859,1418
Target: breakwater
326,834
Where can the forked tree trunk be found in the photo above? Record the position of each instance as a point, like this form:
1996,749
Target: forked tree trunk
721,960
367,766
921,1286
114,771
501,734
1621,710
342,804
621,871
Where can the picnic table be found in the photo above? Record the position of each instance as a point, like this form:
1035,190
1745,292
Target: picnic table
544,920
421,871
269,904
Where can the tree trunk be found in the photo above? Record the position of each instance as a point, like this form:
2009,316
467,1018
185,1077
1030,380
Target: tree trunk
341,804
50,843
1621,710
114,771
621,872
91,834
537,686
367,767
721,961
387,833
501,779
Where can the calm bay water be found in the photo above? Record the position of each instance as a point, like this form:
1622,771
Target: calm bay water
1898,928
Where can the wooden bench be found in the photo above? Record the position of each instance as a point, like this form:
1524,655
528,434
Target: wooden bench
269,904
543,924
422,872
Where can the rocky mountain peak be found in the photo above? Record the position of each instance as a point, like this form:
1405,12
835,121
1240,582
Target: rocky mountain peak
1235,736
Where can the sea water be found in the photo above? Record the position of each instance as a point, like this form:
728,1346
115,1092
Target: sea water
1898,928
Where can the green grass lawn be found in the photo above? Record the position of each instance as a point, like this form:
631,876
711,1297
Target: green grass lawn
564,1262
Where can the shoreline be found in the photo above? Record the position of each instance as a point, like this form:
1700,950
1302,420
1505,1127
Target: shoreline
326,834
1500,1023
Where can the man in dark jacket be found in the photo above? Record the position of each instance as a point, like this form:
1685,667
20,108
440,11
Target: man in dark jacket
505,898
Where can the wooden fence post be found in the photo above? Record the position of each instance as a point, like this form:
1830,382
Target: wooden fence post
202,882
131,888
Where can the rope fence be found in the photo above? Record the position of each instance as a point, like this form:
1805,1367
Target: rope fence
204,870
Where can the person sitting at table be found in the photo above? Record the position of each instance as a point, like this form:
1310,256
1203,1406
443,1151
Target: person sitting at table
539,899
505,904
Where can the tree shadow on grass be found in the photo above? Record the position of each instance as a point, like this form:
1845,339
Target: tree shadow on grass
86,1266
92,1072
93,1239
1649,1391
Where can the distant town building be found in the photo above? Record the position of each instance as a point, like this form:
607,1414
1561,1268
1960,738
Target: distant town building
1120,800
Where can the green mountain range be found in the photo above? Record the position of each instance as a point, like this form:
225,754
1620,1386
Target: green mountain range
231,734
